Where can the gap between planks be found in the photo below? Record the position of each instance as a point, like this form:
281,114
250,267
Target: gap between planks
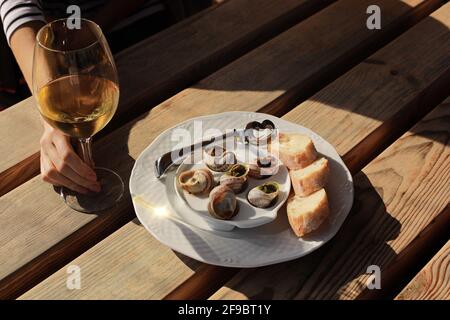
147,80
356,159
433,281
20,172
42,258
412,259
422,231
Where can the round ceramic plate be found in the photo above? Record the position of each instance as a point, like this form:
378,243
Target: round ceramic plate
157,205
195,207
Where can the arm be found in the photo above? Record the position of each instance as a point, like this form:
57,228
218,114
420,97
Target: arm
22,42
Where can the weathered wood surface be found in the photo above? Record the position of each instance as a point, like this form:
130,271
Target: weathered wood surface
412,258
157,68
397,195
19,160
433,281
359,105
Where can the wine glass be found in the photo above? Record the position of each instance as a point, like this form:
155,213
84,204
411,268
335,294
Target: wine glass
76,87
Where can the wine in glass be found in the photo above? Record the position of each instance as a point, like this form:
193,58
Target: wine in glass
76,87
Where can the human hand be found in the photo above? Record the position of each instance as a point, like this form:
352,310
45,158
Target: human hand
61,166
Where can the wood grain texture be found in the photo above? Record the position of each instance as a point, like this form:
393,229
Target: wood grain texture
355,109
412,180
19,160
433,282
276,282
156,68
145,278
413,258
397,196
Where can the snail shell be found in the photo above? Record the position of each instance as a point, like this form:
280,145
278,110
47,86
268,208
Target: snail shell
235,178
218,159
264,195
196,181
222,203
263,167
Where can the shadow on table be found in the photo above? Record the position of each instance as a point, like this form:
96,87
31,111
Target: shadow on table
325,274
363,237
386,73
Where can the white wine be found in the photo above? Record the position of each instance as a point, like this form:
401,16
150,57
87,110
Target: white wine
78,105
81,99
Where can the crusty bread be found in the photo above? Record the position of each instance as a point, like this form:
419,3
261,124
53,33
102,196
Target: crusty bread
306,214
295,150
310,179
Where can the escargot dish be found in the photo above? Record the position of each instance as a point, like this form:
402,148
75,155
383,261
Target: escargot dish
235,178
196,181
263,167
264,195
218,159
222,203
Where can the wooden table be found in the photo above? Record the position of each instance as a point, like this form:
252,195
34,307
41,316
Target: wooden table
379,96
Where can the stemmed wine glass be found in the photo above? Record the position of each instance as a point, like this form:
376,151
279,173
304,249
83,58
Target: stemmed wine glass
76,87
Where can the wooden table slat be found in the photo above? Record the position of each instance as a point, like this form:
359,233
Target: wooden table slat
412,258
433,281
342,96
397,196
372,85
158,67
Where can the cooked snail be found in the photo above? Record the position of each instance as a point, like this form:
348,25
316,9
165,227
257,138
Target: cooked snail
218,159
197,181
235,178
222,203
263,167
264,195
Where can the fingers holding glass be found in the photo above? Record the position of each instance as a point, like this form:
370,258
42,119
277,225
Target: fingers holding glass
76,88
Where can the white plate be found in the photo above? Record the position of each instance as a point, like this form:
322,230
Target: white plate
157,205
195,209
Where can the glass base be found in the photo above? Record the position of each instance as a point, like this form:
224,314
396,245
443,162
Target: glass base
108,197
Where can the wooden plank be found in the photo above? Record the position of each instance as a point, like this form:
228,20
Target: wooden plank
433,281
362,152
397,196
156,68
341,101
145,283
19,159
412,258
412,183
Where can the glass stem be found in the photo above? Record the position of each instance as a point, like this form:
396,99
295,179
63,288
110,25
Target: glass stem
86,151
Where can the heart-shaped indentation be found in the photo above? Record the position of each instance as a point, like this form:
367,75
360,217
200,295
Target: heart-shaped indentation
256,132
256,125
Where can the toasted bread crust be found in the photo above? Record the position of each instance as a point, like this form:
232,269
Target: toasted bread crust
295,160
312,182
310,220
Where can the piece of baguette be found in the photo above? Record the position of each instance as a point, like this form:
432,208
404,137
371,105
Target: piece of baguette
310,179
306,214
295,150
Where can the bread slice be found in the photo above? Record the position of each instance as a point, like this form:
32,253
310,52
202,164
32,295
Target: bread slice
310,179
295,150
306,214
